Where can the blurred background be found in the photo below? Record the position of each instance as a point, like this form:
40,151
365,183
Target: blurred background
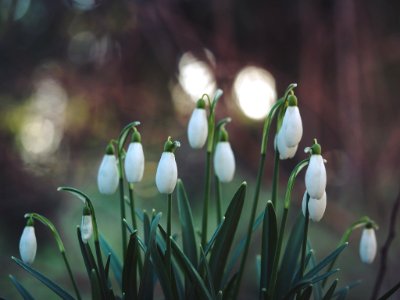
73,73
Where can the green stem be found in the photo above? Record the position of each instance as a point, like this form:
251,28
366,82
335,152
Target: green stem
134,223
304,249
169,219
250,227
219,199
123,228
207,193
60,245
275,179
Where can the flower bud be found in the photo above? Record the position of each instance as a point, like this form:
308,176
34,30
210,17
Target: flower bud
368,245
167,173
292,127
107,177
285,152
316,173
134,162
224,161
28,244
198,126
316,207
86,225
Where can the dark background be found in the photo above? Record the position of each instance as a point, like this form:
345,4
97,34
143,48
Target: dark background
72,74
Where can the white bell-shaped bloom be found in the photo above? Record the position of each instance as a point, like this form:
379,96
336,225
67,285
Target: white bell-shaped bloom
316,177
167,173
368,245
107,178
285,152
316,207
134,162
86,228
292,127
224,161
198,128
28,245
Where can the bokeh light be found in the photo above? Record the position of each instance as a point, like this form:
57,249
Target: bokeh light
195,76
254,90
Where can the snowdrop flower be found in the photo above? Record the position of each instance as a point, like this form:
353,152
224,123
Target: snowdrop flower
285,152
368,245
316,172
167,171
224,160
86,225
316,207
198,126
27,243
107,178
292,126
134,159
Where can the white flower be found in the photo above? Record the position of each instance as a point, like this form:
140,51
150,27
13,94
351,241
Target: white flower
167,173
368,245
28,245
224,161
198,128
86,228
316,177
134,162
285,152
292,127
107,178
316,207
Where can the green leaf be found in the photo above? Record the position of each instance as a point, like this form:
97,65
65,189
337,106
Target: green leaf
229,287
22,291
146,281
306,294
208,274
331,257
211,242
46,281
129,271
87,254
318,286
186,220
329,293
291,257
190,271
96,290
268,244
107,267
344,290
390,292
115,263
223,243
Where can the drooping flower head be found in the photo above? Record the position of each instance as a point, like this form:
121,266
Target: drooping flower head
368,244
86,225
134,159
167,170
107,178
28,243
316,172
198,126
224,160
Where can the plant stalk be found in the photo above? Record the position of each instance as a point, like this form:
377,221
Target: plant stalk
169,219
134,223
122,205
304,249
207,192
219,199
275,179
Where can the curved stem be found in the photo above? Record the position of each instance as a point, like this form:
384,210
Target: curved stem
60,245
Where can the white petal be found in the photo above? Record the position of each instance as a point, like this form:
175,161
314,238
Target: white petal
167,173
368,245
28,245
224,162
134,162
284,151
198,128
316,207
107,178
86,228
316,177
292,126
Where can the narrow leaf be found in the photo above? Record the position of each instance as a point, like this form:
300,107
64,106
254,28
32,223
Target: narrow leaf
329,293
390,292
115,263
22,291
96,290
46,281
129,271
